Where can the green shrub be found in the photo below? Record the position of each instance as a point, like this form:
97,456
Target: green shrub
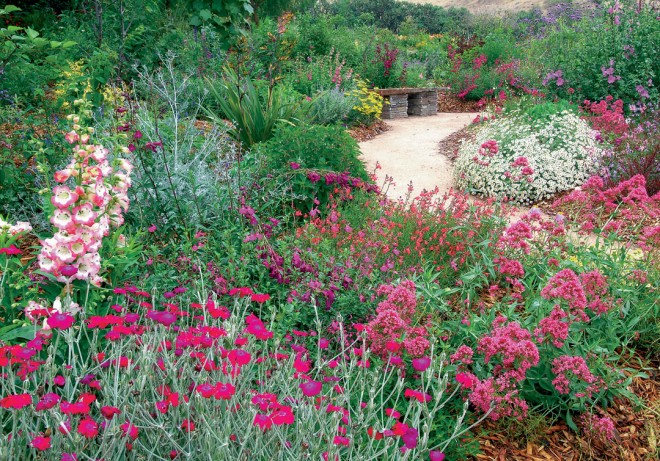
296,151
610,54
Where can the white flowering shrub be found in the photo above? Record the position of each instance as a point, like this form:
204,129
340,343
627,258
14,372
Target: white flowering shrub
525,160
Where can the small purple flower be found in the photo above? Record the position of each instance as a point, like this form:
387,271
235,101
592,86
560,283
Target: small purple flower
643,92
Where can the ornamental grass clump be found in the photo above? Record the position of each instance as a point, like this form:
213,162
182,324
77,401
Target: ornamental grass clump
524,161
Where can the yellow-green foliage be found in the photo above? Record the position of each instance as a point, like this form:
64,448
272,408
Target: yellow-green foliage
370,103
74,84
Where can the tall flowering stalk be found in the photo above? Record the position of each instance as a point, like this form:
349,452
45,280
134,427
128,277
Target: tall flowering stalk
90,198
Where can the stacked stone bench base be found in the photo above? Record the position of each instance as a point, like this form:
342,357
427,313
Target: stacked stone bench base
402,102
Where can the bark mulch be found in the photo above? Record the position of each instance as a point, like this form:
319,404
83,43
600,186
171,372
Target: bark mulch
637,433
449,102
366,132
450,145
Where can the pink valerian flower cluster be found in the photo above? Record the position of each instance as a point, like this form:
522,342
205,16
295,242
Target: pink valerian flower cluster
521,170
512,350
487,150
621,209
395,317
589,291
85,210
607,117
599,427
572,375
554,327
565,286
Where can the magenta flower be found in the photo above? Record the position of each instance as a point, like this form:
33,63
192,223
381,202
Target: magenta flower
48,401
11,250
60,321
436,455
410,438
224,391
421,364
311,388
69,270
109,412
88,428
41,443
16,401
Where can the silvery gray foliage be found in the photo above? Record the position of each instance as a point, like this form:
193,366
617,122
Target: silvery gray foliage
190,176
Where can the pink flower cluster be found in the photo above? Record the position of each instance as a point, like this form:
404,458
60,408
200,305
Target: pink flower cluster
395,317
600,427
515,352
85,210
621,209
586,291
487,150
572,373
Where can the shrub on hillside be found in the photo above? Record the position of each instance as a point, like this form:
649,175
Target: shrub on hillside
610,53
526,161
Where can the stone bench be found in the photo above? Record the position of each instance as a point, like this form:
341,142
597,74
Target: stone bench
402,102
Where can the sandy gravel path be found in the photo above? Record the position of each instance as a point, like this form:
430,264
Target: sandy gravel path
408,151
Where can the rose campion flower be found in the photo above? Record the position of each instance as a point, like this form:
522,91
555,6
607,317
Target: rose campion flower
88,428
311,388
129,430
41,443
421,364
16,401
60,321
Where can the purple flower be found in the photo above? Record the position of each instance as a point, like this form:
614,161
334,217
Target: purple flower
643,92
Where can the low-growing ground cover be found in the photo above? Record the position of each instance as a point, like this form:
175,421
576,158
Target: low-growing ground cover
198,266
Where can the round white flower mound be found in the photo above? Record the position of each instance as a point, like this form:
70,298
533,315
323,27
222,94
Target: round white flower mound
524,161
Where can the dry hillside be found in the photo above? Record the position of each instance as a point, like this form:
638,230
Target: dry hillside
489,6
